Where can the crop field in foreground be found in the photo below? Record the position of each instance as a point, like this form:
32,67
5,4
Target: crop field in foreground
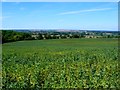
63,63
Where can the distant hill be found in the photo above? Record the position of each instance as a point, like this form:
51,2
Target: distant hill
61,30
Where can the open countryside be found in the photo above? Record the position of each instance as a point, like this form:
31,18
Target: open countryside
59,45
61,63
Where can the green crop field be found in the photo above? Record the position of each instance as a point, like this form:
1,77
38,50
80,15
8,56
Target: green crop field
62,63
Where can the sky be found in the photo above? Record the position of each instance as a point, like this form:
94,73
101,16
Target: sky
60,0
60,15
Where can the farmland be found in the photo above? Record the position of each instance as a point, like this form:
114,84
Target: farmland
61,63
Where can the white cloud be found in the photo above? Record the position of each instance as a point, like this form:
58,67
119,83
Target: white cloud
82,11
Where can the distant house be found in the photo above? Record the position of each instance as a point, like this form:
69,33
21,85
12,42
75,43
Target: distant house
43,36
68,37
57,35
99,36
35,36
51,35
108,33
90,36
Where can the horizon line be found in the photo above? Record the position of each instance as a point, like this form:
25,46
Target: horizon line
32,29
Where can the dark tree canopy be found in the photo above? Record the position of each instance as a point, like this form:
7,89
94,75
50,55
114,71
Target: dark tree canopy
10,36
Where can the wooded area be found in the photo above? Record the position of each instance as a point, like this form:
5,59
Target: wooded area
12,35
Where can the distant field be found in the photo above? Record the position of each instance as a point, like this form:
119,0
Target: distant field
61,63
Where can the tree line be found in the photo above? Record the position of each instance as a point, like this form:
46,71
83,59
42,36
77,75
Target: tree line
11,36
